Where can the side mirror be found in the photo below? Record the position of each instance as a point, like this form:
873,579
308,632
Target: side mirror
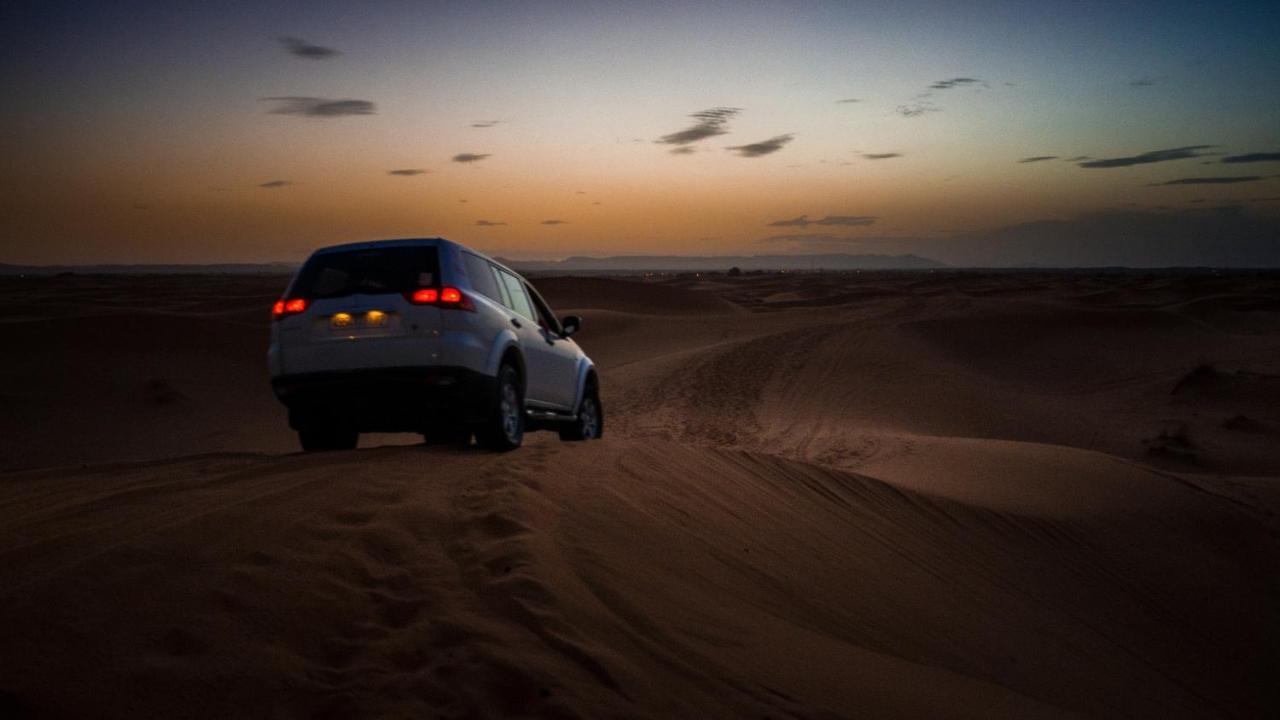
570,325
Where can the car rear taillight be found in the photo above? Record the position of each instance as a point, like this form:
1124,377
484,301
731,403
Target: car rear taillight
450,298
292,306
425,296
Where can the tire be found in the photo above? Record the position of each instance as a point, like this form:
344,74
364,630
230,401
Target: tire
326,439
589,424
503,430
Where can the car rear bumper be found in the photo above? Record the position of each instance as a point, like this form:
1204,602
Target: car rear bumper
386,399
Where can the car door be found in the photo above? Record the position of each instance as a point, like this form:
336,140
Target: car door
539,364
562,354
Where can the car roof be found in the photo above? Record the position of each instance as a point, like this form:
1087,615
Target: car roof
410,242
371,244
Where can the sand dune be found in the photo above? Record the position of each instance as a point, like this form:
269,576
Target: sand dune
649,578
871,495
630,296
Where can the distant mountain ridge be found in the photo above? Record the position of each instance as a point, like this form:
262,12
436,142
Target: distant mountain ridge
276,268
577,264
721,263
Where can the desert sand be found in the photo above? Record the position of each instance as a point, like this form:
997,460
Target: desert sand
819,496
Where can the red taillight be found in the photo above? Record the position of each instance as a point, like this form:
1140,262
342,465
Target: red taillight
449,297
425,296
452,297
288,307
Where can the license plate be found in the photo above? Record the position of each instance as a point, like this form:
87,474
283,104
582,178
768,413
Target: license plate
371,319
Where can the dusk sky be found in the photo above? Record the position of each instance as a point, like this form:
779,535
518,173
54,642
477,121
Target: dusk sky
208,132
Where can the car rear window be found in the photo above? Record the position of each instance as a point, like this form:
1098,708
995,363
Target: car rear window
373,271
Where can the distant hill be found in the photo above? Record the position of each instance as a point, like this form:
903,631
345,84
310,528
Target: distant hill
721,263
279,268
578,265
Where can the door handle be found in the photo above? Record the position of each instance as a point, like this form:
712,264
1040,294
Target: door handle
516,322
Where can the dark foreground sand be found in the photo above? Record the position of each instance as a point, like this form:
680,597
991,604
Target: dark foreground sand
917,495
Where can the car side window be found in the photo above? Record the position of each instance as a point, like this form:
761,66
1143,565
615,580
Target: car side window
482,278
519,301
546,318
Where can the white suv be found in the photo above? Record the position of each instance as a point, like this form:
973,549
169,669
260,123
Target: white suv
425,336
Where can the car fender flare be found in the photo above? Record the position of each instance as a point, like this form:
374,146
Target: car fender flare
505,340
585,368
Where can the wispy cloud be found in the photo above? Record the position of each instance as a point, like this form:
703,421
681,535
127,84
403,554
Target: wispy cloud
408,172
489,223
271,184
1147,81
1253,157
848,100
469,157
1078,158
830,220
1038,158
554,222
817,239
683,150
916,109
486,123
303,49
764,147
320,107
881,156
954,82
1211,180
1154,156
710,123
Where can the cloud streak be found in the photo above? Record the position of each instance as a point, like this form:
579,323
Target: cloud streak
486,123
1038,158
916,109
764,147
320,107
830,220
816,238
954,83
1253,157
1211,180
469,157
881,156
303,49
554,222
408,172
1147,81
846,101
710,123
272,184
1154,156
489,223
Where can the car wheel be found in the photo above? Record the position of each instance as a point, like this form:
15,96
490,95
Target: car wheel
590,422
504,428
325,439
